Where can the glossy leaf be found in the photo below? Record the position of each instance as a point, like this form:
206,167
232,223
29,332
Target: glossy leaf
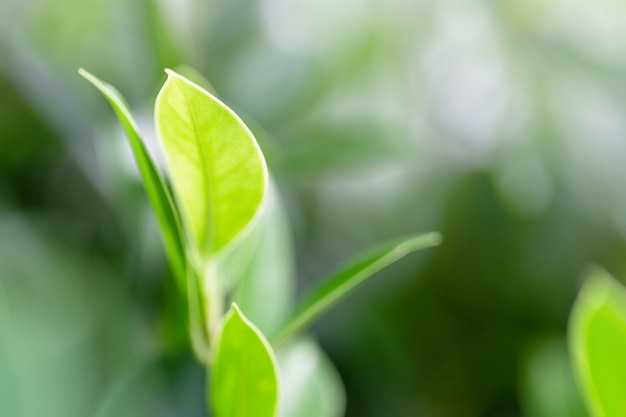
217,169
311,385
598,344
244,381
332,290
158,194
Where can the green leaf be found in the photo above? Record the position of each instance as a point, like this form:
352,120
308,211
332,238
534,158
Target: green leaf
332,290
158,194
269,273
131,391
597,333
244,380
234,265
311,385
217,169
547,384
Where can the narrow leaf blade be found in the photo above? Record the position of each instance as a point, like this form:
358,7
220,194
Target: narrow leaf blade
158,194
597,333
332,290
217,169
244,379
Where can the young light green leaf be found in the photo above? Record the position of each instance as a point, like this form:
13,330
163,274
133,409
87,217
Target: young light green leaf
338,286
217,169
244,379
597,333
158,194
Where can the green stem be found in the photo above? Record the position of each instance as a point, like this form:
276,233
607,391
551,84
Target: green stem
213,300
197,331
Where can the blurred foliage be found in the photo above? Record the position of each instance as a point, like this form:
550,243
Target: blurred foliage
499,123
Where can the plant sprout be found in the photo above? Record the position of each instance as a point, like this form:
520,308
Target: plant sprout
212,207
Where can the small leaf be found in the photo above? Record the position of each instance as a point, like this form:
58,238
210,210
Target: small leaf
312,386
217,169
244,380
597,333
158,194
338,286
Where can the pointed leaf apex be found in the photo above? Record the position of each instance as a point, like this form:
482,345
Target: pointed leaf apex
92,78
436,238
600,284
171,74
236,310
419,242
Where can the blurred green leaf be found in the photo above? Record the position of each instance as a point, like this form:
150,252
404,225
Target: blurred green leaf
160,198
9,392
269,273
311,385
244,379
332,290
597,333
131,392
234,264
548,386
217,169
65,310
327,148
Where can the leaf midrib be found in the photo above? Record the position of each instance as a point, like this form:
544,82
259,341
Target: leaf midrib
241,405
206,174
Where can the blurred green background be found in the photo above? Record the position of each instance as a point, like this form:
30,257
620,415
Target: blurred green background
499,123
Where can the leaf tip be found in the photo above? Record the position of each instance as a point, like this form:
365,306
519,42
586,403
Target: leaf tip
419,242
173,77
96,82
598,284
235,309
173,74
435,238
87,75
